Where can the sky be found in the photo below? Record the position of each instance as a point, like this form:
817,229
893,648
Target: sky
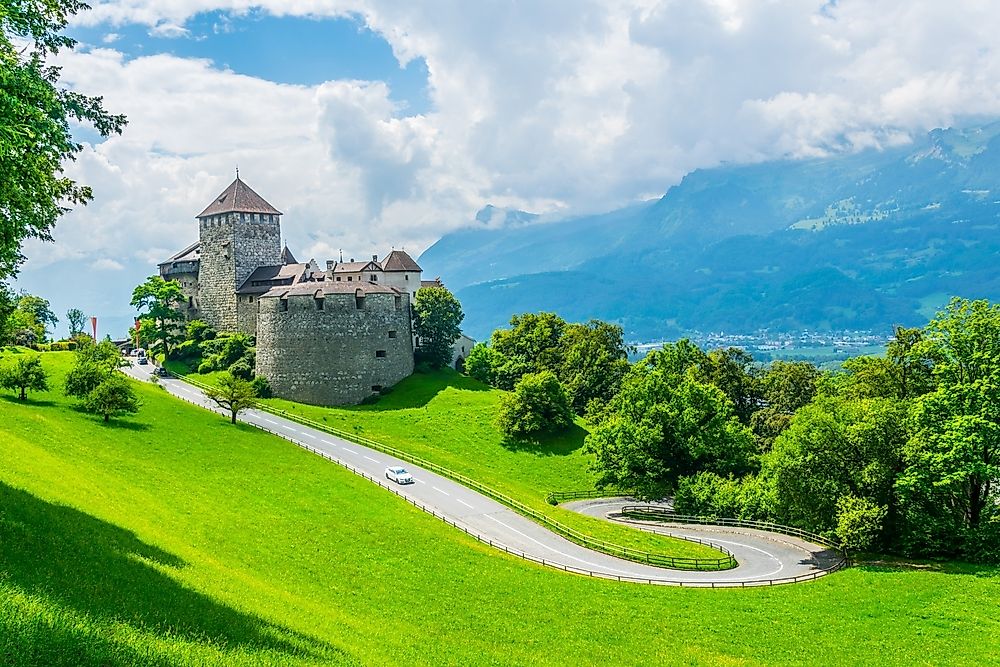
374,124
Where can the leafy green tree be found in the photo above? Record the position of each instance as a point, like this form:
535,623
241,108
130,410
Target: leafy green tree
75,318
7,306
834,448
904,372
36,140
532,344
734,371
34,312
199,331
26,374
234,395
594,362
113,396
84,377
537,405
437,316
859,523
160,322
785,387
482,362
664,424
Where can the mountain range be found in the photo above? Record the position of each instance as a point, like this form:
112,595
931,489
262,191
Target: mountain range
857,241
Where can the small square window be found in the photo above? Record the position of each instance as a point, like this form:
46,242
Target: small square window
350,278
392,334
338,279
380,353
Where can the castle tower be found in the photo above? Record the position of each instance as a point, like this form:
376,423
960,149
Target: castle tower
239,231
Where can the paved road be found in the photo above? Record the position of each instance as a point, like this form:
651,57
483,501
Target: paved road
760,559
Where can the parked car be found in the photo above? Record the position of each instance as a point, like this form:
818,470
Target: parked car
399,475
142,361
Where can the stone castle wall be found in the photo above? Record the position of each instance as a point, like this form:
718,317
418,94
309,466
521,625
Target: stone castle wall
338,355
232,246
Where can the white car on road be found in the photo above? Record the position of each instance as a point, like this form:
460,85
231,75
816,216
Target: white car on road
399,475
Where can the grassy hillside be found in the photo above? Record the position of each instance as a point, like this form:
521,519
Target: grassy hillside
447,418
174,538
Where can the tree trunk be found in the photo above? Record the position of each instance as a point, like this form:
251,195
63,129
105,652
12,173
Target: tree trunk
24,394
106,416
233,416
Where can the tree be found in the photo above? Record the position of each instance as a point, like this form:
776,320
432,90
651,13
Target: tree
904,372
437,315
34,313
482,362
113,396
233,394
785,387
7,306
75,318
834,448
25,375
532,344
95,363
159,299
734,371
594,361
664,424
35,136
859,523
538,404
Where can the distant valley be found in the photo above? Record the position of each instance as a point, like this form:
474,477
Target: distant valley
851,242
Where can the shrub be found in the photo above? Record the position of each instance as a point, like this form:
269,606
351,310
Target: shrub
859,522
538,404
262,387
242,369
206,366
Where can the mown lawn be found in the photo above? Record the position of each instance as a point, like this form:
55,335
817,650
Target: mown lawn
174,538
447,418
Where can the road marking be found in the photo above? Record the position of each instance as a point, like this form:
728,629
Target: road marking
269,421
308,435
465,503
419,481
349,451
545,546
441,491
371,459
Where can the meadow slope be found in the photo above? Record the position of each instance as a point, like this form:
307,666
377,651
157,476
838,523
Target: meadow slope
174,538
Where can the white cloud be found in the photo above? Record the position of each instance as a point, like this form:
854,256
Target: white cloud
110,38
567,105
106,264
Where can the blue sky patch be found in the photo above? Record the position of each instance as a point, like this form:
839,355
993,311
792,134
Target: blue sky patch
291,50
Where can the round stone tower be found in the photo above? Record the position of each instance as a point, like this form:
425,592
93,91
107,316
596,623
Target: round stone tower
333,343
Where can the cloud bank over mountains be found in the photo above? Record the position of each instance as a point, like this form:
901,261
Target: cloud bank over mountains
561,106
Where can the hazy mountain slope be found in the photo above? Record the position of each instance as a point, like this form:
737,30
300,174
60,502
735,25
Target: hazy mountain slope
858,241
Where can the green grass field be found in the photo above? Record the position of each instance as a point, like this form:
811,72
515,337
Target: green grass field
447,418
174,538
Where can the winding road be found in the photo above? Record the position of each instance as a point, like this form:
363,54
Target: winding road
763,557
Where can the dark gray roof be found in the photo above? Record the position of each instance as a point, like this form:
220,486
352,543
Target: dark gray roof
192,253
328,287
268,276
398,260
287,257
432,283
238,198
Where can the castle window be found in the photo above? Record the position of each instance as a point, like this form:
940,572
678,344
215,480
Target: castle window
319,303
190,301
399,303
373,278
338,279
392,334
350,278
359,301
284,305
380,354
406,276
251,299
376,387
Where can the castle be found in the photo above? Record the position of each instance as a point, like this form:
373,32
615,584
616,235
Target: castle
328,336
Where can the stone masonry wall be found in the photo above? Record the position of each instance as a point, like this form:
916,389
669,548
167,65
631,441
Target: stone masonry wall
330,356
231,248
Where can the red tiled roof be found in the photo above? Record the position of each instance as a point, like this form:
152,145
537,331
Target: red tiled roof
398,260
238,198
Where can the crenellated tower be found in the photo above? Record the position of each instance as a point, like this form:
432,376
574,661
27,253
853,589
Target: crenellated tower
239,232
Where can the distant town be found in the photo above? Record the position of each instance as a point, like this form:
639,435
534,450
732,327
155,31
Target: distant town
824,348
